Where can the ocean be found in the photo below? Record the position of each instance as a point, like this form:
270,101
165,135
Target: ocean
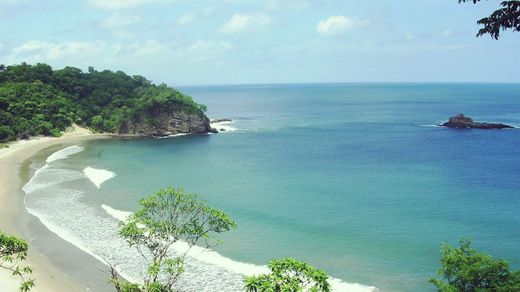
355,179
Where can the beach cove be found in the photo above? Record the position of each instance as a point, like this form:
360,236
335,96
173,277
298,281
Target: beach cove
47,262
65,266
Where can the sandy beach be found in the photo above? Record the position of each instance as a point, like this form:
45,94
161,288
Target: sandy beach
14,219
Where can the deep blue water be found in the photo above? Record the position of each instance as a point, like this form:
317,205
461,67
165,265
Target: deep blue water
352,178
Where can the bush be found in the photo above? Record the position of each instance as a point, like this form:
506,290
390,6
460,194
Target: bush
465,269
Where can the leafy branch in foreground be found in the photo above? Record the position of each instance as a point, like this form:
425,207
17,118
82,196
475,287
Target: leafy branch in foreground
507,17
466,270
289,275
13,251
164,218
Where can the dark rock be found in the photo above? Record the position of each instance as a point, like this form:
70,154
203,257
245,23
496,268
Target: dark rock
164,122
222,130
462,122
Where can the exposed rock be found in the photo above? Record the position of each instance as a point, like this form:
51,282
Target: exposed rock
164,122
462,122
222,130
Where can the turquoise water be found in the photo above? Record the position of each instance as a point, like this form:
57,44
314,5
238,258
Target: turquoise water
352,178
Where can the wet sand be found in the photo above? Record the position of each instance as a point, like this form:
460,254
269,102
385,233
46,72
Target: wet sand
57,265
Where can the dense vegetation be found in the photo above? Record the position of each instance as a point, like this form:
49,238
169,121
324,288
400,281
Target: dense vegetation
466,270
13,251
289,275
37,100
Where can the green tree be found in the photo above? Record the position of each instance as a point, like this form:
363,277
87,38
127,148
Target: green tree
105,101
168,216
13,251
507,17
289,275
466,270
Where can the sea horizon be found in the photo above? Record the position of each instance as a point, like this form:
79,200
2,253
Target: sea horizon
344,83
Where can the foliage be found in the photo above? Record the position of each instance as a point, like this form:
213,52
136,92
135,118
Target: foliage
164,218
466,270
507,17
12,252
32,108
289,275
37,100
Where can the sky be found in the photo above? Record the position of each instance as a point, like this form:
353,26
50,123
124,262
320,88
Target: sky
200,42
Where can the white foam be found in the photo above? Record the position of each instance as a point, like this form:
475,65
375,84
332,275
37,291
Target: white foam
31,184
117,214
211,257
226,126
47,176
64,153
98,176
174,135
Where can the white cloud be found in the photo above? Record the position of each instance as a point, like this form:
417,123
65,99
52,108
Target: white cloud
335,25
119,4
65,53
240,22
187,19
118,21
116,54
39,51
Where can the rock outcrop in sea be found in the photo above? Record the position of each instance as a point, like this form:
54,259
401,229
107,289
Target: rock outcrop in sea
460,121
167,122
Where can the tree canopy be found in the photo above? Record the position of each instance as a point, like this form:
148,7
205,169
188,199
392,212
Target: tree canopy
166,217
466,270
13,251
37,100
289,275
507,17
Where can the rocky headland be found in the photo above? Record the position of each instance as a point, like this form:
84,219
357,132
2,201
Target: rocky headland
167,122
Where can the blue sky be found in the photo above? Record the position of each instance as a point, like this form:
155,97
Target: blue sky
192,42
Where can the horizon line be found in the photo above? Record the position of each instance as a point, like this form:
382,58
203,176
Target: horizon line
343,82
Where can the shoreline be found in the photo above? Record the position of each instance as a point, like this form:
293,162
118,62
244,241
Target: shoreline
57,268
15,219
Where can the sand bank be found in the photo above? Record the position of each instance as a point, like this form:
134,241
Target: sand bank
14,218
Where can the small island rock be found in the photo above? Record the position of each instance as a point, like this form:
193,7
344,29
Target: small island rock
462,122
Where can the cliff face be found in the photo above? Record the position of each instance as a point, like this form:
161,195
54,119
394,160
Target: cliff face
161,122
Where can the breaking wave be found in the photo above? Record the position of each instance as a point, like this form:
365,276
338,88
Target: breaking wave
57,197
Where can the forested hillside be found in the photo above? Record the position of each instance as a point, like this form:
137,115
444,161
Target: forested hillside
37,100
